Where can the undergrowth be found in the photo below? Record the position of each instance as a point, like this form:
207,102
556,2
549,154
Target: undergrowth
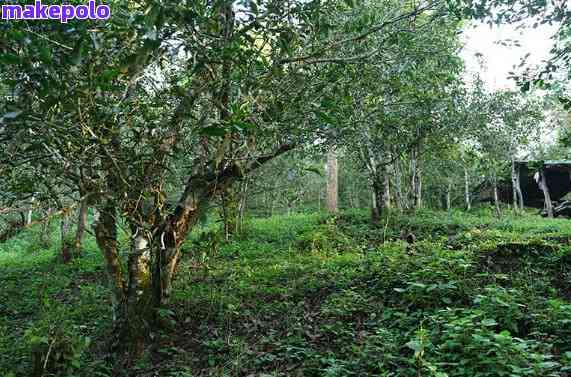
314,295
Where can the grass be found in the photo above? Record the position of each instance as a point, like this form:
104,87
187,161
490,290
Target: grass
310,295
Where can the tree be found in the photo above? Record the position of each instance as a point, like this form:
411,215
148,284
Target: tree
332,182
151,116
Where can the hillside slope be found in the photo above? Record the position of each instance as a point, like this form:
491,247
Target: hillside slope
310,295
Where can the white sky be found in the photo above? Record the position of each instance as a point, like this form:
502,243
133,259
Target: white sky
498,59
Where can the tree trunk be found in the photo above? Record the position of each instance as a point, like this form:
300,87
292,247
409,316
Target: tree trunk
448,197
350,194
29,214
419,190
242,203
65,238
357,201
81,224
138,305
416,179
516,184
105,228
545,189
375,212
400,201
387,189
45,235
467,196
496,195
332,182
377,198
229,211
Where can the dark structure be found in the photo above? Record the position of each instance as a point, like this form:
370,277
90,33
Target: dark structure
557,178
543,185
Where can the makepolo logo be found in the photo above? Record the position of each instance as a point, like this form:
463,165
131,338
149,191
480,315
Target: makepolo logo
63,12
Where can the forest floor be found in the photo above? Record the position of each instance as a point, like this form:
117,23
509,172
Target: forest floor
313,295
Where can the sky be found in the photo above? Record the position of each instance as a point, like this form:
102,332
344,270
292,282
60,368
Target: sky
498,59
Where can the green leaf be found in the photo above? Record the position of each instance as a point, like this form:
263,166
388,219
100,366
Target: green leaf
489,322
214,131
414,345
10,59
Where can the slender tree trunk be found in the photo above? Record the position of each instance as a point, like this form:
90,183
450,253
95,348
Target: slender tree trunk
81,224
332,182
413,171
448,197
45,235
545,189
229,211
29,215
375,211
467,196
272,201
350,197
401,204
65,238
496,195
416,179
419,189
378,199
516,183
242,203
387,189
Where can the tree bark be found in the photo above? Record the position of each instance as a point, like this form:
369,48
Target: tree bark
375,211
105,228
45,235
400,200
81,225
242,203
448,197
377,199
467,196
495,194
65,238
387,189
419,189
145,286
332,182
29,214
137,305
229,211
546,196
516,184
416,179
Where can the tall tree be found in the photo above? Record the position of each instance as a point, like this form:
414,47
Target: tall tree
332,182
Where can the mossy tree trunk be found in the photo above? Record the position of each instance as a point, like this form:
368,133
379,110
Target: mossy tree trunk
66,248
